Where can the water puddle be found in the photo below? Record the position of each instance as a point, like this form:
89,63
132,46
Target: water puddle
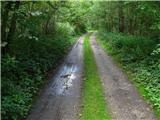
64,80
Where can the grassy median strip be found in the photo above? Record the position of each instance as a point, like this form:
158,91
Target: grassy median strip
94,107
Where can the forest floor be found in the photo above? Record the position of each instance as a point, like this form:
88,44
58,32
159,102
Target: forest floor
61,97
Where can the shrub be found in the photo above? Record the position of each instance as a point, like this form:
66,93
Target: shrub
133,48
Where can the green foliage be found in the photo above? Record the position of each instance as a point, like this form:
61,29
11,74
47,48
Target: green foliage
156,52
149,77
131,17
133,48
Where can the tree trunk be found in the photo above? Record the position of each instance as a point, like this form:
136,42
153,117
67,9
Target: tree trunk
121,16
130,28
47,23
5,13
12,28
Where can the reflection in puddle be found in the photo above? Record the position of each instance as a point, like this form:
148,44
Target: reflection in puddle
64,80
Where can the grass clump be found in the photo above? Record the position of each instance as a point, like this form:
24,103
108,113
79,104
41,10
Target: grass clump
94,107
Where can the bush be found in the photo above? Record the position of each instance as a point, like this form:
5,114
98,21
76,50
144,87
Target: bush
133,48
19,84
148,76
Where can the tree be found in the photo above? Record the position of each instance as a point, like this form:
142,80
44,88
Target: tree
121,16
12,28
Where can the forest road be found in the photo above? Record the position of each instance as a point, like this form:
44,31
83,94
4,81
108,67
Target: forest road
122,99
60,99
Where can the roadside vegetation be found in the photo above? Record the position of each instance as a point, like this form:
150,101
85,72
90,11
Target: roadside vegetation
93,102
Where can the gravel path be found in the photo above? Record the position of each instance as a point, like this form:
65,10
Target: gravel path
122,99
60,99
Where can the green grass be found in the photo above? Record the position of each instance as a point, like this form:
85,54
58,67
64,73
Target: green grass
94,106
144,77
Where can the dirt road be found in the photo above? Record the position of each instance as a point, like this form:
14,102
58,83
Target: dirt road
60,100
123,101
61,97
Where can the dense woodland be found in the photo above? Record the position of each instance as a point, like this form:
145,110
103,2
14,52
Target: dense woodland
35,36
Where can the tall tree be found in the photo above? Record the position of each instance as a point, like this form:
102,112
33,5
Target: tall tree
121,16
12,28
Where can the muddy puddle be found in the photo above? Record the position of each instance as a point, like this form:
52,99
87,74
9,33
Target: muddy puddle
64,80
